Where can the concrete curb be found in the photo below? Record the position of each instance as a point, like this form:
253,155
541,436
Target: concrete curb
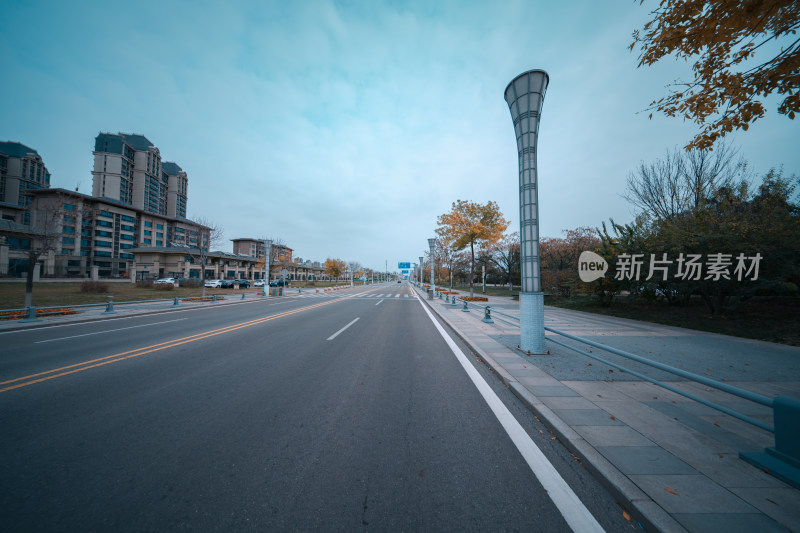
651,516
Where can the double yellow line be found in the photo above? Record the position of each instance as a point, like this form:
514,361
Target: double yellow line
102,361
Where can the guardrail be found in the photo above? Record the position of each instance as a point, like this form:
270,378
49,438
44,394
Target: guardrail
782,460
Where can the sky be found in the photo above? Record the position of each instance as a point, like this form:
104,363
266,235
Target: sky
345,128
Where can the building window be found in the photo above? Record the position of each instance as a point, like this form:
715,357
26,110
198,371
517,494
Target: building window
159,243
105,223
148,224
159,226
102,244
69,207
68,229
148,232
146,241
101,253
67,240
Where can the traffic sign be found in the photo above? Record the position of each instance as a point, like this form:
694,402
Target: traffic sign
404,265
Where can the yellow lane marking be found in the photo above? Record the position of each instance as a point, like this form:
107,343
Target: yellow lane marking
102,361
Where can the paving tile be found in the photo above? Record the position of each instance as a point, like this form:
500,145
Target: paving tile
645,460
586,417
612,436
695,494
553,390
596,390
780,503
533,381
647,392
567,402
729,523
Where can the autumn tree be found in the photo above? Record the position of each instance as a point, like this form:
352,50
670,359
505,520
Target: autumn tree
334,267
559,258
722,38
468,225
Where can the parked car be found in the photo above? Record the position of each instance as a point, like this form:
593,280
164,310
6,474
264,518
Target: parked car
243,283
214,283
226,283
258,283
164,281
279,283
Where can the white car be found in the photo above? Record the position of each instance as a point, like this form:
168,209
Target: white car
167,281
214,283
258,283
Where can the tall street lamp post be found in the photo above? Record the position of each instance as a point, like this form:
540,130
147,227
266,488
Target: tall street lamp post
267,255
432,294
525,96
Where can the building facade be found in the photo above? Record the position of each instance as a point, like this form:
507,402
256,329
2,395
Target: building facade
128,169
103,234
21,171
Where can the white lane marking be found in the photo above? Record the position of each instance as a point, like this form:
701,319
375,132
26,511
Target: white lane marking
397,296
108,331
379,301
341,330
572,509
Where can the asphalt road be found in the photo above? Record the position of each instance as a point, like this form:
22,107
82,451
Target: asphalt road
302,414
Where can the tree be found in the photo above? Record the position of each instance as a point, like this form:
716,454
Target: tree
469,224
334,267
47,216
683,180
559,258
208,236
728,81
505,255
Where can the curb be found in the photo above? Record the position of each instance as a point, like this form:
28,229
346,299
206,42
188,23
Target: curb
650,515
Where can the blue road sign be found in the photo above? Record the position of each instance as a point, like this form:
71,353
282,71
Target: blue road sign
404,265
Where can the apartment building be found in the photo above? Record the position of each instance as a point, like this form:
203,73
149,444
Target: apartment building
128,169
21,170
281,258
103,235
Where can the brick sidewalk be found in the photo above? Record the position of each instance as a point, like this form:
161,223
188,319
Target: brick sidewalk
672,462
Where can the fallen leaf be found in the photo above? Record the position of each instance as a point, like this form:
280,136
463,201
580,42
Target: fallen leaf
626,516
588,364
717,425
670,491
612,418
773,501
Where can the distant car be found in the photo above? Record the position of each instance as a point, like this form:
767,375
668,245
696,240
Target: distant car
243,283
167,281
226,283
398,281
279,283
214,283
258,283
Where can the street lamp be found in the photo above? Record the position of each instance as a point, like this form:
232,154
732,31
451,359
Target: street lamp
421,267
525,96
267,254
432,294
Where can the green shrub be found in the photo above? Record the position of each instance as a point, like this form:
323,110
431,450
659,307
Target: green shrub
144,284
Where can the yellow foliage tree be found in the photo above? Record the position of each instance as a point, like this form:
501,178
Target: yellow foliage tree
469,224
725,35
334,267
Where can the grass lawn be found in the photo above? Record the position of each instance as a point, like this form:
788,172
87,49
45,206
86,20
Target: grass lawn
768,319
49,294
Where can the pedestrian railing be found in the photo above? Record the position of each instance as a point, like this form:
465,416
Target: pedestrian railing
782,461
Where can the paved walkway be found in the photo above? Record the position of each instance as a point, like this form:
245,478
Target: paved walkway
672,462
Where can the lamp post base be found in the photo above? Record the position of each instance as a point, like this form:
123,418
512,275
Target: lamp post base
531,313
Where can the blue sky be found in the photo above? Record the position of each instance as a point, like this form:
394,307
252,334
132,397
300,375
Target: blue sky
345,128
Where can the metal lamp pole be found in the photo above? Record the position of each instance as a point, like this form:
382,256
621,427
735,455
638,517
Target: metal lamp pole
421,267
432,295
525,96
267,254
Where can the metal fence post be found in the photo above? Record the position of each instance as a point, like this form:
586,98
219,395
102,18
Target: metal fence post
31,316
782,461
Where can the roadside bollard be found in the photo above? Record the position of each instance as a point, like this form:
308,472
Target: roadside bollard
447,300
109,308
243,296
176,302
465,308
31,317
453,301
440,295
487,316
213,298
